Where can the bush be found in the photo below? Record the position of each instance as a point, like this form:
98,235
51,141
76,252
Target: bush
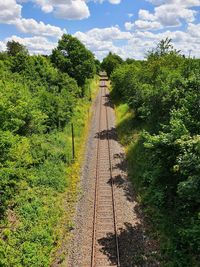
163,91
38,102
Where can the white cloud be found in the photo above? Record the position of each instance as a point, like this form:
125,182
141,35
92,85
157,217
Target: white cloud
45,5
65,9
194,30
38,28
147,25
143,24
186,3
129,26
68,9
105,34
35,45
74,10
2,46
137,43
170,15
130,15
183,41
115,2
9,11
145,15
171,12
101,41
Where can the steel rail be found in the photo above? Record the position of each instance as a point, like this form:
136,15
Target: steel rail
112,186
96,188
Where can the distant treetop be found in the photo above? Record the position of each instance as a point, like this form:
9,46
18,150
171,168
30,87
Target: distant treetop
14,48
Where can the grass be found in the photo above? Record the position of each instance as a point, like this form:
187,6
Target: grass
129,131
127,126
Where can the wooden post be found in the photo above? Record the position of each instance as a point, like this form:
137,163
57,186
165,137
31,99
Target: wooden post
90,97
73,146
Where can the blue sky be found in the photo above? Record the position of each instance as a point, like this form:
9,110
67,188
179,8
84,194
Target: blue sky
126,27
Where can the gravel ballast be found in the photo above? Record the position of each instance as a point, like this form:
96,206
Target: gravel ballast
135,247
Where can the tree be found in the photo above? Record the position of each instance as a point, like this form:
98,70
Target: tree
130,60
14,48
73,57
98,65
164,47
163,95
111,62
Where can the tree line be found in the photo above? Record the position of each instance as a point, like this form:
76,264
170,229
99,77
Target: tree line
163,91
39,96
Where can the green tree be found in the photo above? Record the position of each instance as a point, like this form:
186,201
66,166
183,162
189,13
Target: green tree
98,66
14,48
163,48
111,62
37,102
72,57
164,92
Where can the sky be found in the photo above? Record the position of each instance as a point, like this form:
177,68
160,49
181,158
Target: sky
129,28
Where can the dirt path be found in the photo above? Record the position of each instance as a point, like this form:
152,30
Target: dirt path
135,248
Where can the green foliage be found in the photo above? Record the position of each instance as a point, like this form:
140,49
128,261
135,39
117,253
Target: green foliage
72,57
14,48
110,63
98,66
38,102
164,160
163,48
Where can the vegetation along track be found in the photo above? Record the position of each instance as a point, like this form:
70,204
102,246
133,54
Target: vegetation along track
104,204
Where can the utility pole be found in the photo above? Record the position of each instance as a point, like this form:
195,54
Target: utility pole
73,146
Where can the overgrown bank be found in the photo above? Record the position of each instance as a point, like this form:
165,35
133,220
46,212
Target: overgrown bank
159,126
38,103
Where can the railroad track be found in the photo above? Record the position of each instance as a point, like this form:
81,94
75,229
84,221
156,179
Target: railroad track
104,219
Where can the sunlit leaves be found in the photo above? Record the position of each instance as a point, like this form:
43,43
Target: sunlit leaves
164,92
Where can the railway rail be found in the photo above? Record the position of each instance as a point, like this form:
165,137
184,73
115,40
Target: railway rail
104,219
